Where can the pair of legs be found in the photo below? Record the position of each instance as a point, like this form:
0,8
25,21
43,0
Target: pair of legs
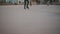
26,3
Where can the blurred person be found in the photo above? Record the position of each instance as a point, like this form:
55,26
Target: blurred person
19,2
48,2
26,3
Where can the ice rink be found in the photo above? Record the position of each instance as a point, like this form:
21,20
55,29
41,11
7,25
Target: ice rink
38,19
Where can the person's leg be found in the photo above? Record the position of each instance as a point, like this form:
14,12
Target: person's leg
24,4
27,4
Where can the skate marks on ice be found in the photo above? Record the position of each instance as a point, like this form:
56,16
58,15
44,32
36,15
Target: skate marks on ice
27,12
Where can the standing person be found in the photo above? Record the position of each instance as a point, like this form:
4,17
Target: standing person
26,3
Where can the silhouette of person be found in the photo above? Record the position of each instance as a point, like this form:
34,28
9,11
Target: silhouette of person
26,3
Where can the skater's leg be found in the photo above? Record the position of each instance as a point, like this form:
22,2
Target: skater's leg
24,4
27,4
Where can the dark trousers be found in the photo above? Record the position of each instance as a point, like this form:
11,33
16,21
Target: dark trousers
26,3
